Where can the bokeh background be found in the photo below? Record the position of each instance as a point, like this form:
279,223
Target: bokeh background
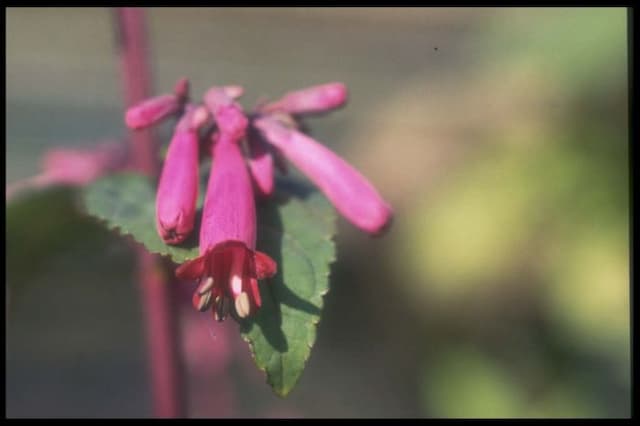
498,135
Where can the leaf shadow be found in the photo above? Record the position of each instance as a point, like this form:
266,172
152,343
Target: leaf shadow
287,187
275,291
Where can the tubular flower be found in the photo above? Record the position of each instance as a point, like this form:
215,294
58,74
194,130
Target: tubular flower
352,195
82,166
73,167
154,110
178,185
229,267
312,100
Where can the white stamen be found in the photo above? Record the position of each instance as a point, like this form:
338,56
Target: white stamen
221,309
206,286
242,305
236,274
205,302
236,284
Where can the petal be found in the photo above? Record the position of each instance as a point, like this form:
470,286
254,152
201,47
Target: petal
265,266
192,269
255,292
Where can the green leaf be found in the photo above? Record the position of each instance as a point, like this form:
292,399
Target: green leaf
297,234
295,228
41,224
127,202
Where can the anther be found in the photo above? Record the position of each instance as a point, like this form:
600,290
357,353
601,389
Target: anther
236,274
222,308
204,301
205,286
242,305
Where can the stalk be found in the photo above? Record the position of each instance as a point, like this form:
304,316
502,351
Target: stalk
161,314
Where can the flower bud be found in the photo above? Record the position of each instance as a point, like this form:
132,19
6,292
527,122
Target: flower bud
350,192
312,100
178,185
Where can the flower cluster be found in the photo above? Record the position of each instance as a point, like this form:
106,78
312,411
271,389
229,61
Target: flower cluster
245,148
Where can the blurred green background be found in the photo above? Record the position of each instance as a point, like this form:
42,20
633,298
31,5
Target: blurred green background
498,135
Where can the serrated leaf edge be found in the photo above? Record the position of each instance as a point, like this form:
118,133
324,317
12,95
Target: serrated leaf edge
119,228
282,393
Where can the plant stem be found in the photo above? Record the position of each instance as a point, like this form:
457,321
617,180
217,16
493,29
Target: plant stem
161,315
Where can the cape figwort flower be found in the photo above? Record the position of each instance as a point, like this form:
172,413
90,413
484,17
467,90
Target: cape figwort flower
312,100
82,166
156,109
352,195
229,267
74,167
350,192
178,185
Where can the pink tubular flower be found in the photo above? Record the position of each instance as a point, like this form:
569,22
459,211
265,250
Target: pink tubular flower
154,110
228,114
73,167
312,100
229,267
82,166
178,186
352,195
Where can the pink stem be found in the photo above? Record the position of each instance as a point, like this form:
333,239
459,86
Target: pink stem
159,310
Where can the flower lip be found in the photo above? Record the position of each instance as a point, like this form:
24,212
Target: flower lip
228,271
228,228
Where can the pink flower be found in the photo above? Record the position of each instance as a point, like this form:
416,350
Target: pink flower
228,114
82,166
312,100
229,267
352,195
178,185
154,110
73,167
